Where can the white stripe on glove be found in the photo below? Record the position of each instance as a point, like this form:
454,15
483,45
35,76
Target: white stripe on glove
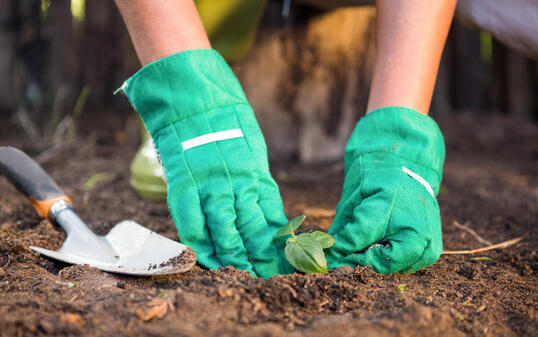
419,179
211,137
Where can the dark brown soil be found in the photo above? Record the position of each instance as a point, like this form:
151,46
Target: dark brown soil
490,184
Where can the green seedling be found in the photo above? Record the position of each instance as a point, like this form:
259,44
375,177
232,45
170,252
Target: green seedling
96,178
305,251
402,287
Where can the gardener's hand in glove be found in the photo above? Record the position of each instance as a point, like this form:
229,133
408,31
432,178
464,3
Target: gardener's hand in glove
223,200
388,217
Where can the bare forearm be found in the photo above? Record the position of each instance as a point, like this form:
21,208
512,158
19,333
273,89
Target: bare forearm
162,28
410,38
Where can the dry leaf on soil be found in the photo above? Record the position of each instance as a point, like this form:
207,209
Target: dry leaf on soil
158,308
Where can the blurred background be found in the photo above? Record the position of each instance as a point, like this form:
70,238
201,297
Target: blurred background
306,75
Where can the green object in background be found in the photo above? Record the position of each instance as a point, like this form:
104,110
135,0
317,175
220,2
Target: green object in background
231,26
388,217
146,171
224,202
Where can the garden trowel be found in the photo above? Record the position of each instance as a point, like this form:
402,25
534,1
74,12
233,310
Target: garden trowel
128,248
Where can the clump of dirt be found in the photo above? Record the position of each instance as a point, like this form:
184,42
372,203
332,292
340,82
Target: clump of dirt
494,191
186,258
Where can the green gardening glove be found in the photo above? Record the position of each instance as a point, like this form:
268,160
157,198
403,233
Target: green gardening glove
388,217
223,200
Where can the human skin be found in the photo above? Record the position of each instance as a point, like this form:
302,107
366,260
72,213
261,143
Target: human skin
410,36
162,28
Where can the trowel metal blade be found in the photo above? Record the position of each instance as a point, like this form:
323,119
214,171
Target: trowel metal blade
139,251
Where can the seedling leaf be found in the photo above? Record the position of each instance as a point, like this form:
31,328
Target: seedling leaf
314,250
296,255
305,251
291,226
305,254
325,240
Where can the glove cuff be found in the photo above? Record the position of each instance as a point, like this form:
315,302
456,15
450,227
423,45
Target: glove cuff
181,86
403,132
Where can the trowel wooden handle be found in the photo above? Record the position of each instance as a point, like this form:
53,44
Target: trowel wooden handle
30,179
